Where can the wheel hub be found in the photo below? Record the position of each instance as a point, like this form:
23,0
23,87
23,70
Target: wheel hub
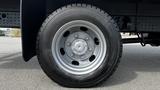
79,47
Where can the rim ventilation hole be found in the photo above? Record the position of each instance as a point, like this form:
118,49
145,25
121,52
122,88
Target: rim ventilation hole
76,63
96,41
62,51
83,28
66,34
92,58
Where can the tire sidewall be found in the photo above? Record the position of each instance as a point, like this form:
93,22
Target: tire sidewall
57,20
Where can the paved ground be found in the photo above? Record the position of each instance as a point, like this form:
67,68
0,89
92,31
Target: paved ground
138,70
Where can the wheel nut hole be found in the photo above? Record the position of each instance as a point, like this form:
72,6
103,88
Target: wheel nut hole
76,63
83,28
92,58
96,41
62,51
66,34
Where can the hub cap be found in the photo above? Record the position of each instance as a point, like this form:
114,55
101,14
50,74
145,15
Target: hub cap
79,47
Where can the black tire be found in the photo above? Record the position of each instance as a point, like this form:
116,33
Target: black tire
79,12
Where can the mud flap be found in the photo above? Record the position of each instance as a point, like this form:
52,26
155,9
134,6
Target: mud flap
32,15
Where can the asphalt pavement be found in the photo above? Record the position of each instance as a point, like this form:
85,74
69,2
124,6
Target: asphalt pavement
139,70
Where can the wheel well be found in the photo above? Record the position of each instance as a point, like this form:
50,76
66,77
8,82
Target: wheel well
34,12
32,18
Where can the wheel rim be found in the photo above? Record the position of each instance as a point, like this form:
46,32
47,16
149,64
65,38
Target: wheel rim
79,47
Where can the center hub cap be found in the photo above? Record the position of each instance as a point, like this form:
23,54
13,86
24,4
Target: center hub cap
79,47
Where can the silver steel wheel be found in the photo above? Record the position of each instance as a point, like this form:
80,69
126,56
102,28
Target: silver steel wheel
79,47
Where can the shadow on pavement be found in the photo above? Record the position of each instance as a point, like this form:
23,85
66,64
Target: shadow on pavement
135,59
15,61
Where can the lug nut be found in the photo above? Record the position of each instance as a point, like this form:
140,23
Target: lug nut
68,44
90,49
87,38
81,56
76,36
72,55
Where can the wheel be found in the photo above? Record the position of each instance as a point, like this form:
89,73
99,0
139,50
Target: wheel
79,46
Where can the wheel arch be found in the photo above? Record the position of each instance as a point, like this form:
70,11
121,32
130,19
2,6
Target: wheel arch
33,14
